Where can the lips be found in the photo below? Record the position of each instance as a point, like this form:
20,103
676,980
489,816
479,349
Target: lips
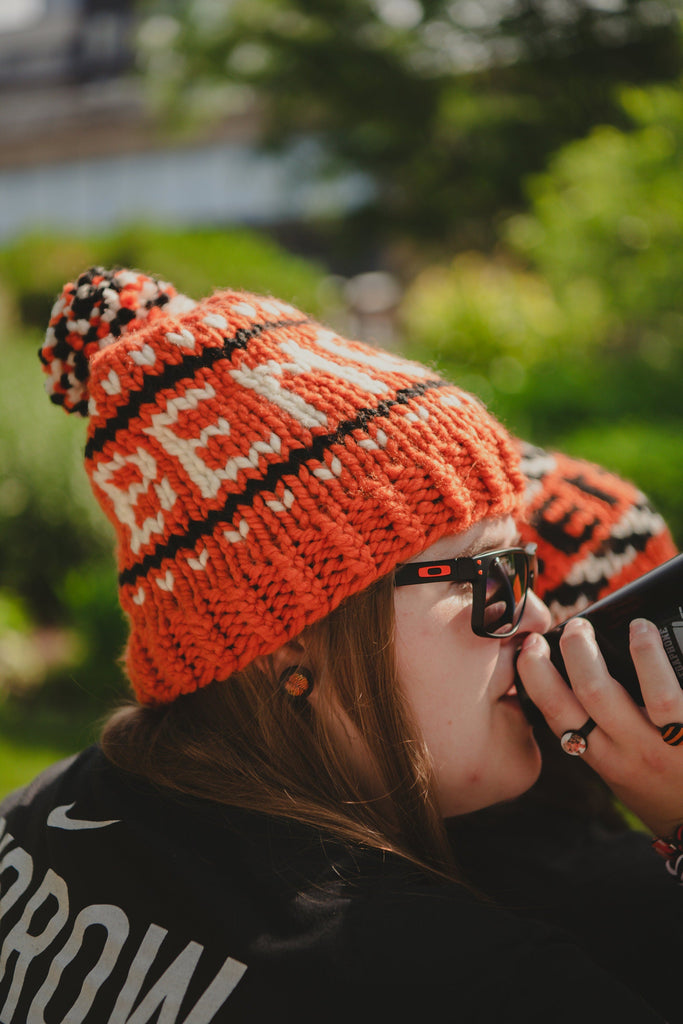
511,694
510,679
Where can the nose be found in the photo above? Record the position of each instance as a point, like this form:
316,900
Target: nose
536,617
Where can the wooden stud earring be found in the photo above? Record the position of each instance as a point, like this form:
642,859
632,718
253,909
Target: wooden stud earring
297,683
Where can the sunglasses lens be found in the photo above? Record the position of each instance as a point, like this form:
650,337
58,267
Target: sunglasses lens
506,587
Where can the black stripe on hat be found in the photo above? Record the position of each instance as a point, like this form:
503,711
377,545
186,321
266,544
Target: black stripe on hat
177,372
568,594
555,532
276,470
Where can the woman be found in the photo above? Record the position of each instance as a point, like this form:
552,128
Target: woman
317,807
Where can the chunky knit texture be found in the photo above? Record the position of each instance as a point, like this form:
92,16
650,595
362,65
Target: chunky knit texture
595,532
257,467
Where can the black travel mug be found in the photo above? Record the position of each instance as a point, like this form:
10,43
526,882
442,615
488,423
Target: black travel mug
657,596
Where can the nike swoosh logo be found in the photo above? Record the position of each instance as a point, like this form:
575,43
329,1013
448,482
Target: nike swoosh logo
59,818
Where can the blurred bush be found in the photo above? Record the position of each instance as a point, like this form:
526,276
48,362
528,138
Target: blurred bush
60,622
609,213
573,331
34,268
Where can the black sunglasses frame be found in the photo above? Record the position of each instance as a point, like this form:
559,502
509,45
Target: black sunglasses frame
474,570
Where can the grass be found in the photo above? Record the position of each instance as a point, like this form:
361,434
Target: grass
33,736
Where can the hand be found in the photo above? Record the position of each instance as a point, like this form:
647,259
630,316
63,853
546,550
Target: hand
626,747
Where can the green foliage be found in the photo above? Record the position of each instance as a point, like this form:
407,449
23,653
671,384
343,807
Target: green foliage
13,613
490,313
609,212
202,259
48,517
448,106
582,348
34,733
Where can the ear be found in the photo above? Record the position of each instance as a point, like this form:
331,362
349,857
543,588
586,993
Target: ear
289,656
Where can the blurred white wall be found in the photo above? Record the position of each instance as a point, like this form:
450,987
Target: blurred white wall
78,149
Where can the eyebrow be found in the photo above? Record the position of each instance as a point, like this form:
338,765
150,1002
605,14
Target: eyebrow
475,548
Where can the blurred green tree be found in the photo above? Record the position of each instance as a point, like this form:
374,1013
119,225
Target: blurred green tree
581,345
447,105
608,216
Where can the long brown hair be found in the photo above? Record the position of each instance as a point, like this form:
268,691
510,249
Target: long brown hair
242,742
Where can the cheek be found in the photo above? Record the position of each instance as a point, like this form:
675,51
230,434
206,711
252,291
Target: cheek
444,671
419,621
440,648
425,654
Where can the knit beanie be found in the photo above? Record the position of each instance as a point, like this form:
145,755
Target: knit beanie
257,467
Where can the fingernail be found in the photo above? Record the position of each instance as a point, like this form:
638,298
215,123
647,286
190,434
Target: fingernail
578,625
533,642
639,626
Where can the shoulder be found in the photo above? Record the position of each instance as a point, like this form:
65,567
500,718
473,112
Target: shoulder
73,776
78,794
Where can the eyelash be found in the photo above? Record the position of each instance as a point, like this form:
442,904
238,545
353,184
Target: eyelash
460,586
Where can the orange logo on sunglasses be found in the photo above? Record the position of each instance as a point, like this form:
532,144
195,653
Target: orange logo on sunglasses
434,571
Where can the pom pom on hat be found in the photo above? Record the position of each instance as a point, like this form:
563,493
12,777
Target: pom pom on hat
92,312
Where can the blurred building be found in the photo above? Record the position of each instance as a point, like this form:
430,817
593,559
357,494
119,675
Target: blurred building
80,150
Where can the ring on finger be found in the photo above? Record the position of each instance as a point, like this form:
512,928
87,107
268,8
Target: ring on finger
575,741
672,733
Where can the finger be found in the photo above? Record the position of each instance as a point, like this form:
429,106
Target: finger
545,686
600,694
658,682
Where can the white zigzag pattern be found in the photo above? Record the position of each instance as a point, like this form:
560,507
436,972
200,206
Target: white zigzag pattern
305,360
124,500
594,568
263,379
382,361
185,449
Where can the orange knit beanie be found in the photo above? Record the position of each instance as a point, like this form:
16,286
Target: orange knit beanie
257,467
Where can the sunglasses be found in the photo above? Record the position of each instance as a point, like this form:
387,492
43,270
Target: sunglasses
500,584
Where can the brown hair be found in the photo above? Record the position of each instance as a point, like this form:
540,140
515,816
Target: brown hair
242,742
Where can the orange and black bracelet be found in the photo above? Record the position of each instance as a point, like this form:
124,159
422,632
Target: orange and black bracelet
671,849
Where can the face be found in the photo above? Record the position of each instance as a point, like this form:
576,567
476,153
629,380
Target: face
460,686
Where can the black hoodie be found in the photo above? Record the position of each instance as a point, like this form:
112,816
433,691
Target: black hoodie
124,904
